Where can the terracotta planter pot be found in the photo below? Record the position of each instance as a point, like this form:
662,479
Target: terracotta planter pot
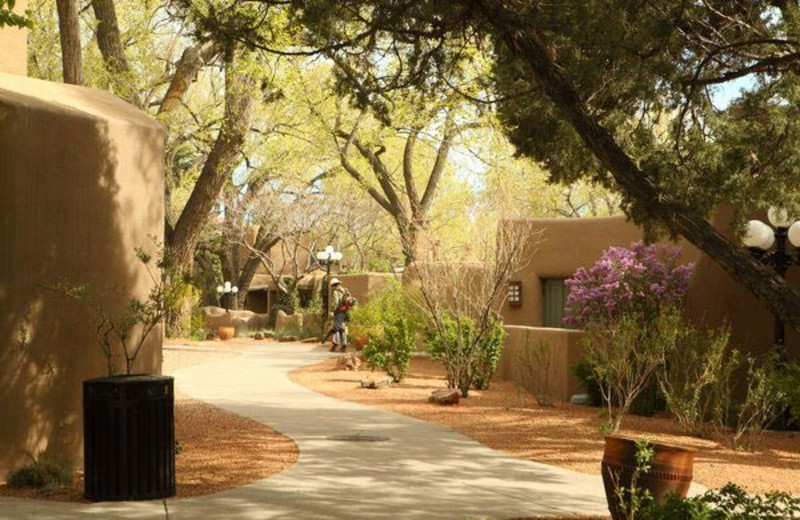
670,471
226,332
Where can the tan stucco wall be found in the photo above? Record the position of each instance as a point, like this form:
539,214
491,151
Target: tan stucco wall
364,286
558,247
563,349
14,46
81,186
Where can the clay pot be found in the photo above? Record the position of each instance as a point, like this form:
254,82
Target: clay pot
226,332
670,471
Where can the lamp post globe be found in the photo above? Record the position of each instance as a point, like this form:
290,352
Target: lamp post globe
770,245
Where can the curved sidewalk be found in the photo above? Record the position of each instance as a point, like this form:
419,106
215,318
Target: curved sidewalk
416,470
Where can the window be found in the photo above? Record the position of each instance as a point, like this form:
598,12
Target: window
554,300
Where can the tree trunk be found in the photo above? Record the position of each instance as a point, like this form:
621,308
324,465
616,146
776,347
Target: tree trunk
263,243
110,43
108,36
69,31
762,282
218,166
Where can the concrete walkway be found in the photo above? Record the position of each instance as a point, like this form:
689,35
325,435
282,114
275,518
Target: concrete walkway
416,470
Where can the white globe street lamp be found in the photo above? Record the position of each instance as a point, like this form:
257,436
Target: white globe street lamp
326,258
225,291
759,239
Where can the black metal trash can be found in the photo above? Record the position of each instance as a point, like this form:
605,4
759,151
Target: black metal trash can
129,437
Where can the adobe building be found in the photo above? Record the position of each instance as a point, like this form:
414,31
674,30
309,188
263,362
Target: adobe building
81,186
558,247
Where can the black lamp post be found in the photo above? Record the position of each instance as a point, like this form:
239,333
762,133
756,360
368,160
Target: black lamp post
759,239
225,292
326,258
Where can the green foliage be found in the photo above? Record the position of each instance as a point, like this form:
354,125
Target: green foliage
10,19
696,377
763,402
584,373
625,357
468,354
633,499
197,328
391,350
728,503
787,380
42,474
394,301
488,353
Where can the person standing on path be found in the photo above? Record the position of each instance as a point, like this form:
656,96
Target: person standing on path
341,302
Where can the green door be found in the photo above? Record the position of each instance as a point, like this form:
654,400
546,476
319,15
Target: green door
555,297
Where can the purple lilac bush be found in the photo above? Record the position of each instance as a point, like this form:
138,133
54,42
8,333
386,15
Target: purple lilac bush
642,280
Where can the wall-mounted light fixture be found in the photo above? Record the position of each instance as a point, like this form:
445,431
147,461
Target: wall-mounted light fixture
515,294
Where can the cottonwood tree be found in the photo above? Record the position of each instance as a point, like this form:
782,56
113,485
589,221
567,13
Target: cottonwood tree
70,37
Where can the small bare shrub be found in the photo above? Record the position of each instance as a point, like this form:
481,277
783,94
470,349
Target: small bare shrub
763,403
533,366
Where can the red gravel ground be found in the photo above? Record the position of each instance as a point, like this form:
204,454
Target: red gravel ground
220,450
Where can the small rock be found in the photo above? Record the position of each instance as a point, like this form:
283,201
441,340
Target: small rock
267,334
583,399
376,384
349,361
287,339
312,339
258,335
446,396
211,336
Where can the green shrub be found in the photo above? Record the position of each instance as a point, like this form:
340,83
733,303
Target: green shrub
584,373
763,402
396,300
391,350
198,330
41,474
729,503
468,356
788,382
696,377
625,357
488,354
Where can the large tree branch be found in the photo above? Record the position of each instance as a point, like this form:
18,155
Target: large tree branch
218,166
392,207
192,60
381,172
451,132
408,171
530,45
110,42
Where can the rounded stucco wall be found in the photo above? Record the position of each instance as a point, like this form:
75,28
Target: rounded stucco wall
82,185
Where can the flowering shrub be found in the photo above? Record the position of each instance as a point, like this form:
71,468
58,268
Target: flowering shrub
643,280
